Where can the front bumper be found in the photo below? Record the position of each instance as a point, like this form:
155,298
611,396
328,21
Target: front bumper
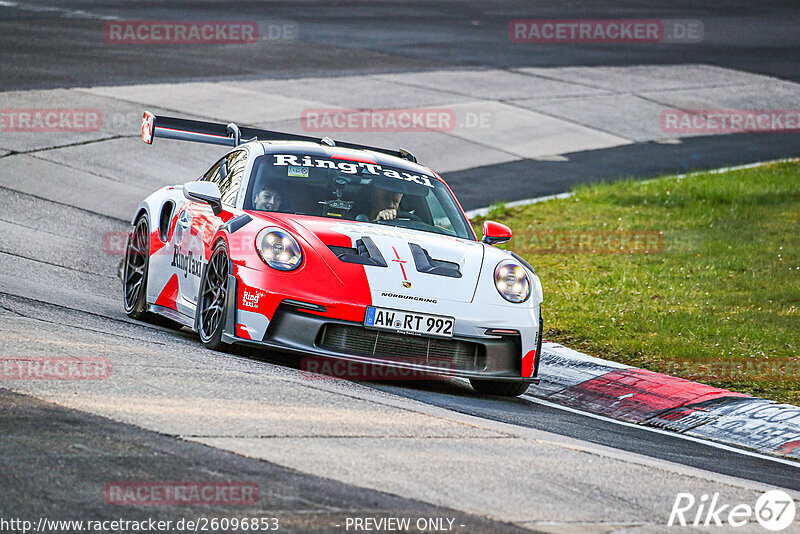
292,329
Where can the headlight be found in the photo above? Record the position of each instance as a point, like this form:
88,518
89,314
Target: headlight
512,281
278,249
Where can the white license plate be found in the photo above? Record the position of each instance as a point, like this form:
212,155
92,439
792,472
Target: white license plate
409,322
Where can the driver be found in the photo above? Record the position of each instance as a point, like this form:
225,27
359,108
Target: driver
268,199
384,205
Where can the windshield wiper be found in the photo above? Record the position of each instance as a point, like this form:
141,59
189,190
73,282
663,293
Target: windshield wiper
413,226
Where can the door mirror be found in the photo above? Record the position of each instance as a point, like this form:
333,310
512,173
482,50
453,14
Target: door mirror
204,192
495,233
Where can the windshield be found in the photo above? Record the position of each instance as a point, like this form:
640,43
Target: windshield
356,191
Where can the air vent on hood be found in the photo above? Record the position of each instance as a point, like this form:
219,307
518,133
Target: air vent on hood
426,264
365,253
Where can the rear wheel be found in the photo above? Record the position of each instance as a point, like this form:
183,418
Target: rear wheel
135,268
134,273
211,300
499,388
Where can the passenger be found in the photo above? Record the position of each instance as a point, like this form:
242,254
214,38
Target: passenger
268,199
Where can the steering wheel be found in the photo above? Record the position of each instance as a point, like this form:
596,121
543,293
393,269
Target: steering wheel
408,215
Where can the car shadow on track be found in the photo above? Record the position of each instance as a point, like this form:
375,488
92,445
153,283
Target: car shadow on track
421,390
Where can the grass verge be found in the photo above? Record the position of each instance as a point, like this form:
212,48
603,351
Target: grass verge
704,283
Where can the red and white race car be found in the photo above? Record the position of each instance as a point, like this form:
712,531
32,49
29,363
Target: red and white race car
333,250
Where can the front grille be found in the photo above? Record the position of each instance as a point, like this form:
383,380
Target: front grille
357,340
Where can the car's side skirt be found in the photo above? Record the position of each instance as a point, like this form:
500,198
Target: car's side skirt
169,313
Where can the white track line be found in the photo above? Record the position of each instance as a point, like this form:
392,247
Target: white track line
656,430
482,212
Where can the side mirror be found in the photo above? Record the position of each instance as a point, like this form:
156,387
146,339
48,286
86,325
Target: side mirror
204,192
495,233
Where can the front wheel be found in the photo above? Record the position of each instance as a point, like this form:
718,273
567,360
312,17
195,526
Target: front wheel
211,300
499,388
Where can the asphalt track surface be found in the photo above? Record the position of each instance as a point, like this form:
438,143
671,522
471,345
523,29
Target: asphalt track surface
55,44
60,44
55,458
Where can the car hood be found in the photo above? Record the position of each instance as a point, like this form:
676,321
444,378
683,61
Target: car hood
403,274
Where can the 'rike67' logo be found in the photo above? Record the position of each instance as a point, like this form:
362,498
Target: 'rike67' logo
774,510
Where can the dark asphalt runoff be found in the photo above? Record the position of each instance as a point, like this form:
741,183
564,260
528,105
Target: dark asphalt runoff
530,179
49,44
60,43
56,464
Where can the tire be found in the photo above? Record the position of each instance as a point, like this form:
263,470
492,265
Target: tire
499,388
211,313
135,268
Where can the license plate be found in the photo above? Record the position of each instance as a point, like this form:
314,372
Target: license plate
409,322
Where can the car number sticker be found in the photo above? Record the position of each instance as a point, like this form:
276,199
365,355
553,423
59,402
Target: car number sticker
298,172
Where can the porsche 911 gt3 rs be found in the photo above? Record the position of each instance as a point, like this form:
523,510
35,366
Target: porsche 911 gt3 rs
334,250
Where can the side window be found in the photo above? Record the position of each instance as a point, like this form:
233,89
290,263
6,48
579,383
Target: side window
212,174
445,213
230,185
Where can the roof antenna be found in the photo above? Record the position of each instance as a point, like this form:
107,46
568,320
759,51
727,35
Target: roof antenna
405,154
327,141
233,131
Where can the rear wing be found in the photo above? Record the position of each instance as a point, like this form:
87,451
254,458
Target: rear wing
232,135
